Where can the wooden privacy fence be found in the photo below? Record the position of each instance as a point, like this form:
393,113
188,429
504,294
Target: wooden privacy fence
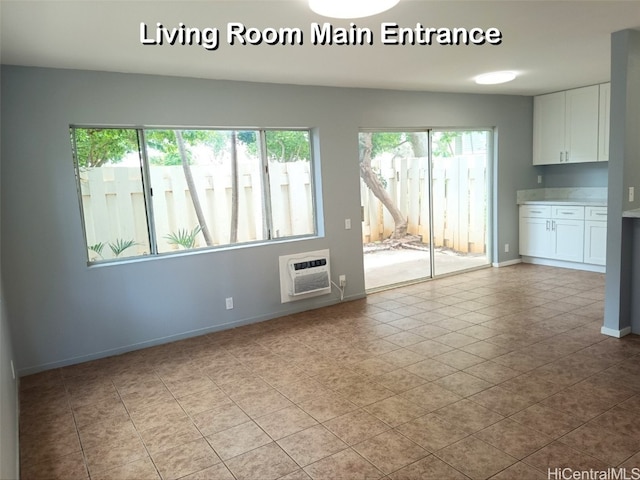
459,201
113,203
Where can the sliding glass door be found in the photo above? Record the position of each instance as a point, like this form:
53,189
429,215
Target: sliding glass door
459,176
425,201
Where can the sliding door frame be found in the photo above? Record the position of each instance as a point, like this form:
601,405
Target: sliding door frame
491,160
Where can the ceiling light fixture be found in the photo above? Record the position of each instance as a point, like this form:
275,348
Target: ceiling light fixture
351,8
494,78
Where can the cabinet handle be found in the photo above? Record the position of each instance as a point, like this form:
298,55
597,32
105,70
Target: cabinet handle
600,214
561,157
536,211
566,156
547,225
568,213
553,225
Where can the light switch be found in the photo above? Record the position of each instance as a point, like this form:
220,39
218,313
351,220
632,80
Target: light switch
347,224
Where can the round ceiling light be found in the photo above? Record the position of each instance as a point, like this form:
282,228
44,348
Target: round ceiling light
494,78
350,8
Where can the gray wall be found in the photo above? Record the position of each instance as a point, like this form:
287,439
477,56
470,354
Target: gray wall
624,171
574,175
69,312
9,462
8,404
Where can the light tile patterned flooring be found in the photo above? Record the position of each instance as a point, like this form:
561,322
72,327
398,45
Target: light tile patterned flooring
497,373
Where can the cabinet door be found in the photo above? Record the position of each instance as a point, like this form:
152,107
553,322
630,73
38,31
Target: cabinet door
595,242
581,127
604,116
567,240
535,237
548,128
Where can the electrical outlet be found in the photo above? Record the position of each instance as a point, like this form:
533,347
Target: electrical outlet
632,193
343,280
539,178
347,224
506,248
229,302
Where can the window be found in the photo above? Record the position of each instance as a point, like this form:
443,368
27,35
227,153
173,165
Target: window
158,191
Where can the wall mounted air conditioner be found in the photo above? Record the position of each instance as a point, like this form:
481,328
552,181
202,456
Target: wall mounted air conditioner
304,275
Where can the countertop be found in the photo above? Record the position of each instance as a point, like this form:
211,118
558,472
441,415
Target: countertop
635,213
581,196
579,202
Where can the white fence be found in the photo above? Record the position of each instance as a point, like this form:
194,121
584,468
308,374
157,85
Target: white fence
114,207
459,201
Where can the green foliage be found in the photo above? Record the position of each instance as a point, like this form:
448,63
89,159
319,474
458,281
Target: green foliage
386,142
97,248
288,145
117,247
165,149
443,144
120,245
98,146
282,145
184,238
401,143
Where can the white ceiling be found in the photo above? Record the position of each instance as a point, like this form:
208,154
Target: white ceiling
553,45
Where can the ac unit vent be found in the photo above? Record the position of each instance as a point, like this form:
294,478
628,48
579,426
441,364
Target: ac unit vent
304,275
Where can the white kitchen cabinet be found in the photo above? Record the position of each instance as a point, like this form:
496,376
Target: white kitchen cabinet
567,240
595,236
548,128
535,237
535,230
604,115
567,232
566,126
581,124
563,235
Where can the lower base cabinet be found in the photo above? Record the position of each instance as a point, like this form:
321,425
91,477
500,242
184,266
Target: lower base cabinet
567,240
567,233
595,242
535,237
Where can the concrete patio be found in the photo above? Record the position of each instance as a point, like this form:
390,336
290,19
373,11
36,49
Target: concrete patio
383,268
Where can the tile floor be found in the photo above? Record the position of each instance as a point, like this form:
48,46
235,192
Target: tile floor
497,373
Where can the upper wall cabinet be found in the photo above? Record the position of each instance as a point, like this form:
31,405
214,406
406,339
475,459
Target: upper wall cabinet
603,129
571,126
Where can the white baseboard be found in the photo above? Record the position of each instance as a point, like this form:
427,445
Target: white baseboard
562,264
615,333
508,263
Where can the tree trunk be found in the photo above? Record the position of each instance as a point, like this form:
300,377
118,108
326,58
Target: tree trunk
186,168
420,143
372,181
233,237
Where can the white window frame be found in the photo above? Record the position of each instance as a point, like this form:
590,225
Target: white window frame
148,192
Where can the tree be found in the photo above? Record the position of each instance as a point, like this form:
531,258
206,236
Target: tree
282,145
443,143
288,146
368,149
233,236
195,200
95,147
